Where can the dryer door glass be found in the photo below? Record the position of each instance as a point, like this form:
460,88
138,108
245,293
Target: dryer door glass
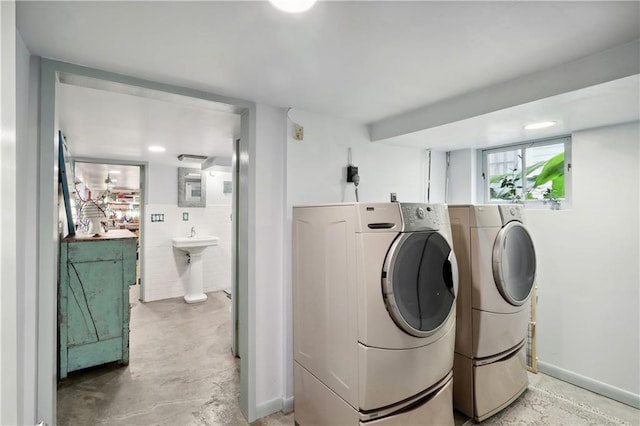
420,281
514,263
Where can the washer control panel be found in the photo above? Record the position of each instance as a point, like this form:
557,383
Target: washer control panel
511,212
423,217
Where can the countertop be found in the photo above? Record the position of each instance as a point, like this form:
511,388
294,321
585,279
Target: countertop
114,234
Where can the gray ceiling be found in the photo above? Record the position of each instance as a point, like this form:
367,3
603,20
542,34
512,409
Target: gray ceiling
363,61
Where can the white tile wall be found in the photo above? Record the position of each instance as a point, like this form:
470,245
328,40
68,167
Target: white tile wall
166,271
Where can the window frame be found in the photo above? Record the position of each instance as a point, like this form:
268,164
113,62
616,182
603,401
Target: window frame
523,146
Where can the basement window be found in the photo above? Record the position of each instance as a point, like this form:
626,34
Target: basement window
534,173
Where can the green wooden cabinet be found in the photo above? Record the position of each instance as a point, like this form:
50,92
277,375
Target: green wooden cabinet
93,299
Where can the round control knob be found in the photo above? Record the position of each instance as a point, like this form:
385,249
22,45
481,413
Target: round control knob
420,213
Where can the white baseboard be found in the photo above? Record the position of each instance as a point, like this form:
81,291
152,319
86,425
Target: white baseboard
287,405
593,385
283,404
269,407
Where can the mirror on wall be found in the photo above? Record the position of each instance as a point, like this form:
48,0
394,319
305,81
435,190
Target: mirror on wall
192,188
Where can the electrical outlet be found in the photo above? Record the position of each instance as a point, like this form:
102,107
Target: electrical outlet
298,132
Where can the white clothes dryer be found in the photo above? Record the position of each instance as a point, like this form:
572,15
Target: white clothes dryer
497,264
374,288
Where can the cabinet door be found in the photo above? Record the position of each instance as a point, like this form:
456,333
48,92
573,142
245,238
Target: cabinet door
94,302
94,305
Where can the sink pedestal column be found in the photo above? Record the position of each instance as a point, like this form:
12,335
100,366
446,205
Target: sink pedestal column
195,285
194,246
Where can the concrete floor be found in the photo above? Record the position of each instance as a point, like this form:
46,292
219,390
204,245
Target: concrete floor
181,372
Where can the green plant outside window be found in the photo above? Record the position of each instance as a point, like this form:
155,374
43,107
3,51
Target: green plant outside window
527,172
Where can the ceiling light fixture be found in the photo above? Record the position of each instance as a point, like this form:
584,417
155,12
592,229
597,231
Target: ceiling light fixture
293,6
109,181
540,125
192,157
156,148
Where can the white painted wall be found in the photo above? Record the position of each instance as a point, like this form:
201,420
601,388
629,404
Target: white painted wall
462,177
215,188
166,272
8,288
270,165
316,165
438,176
588,277
163,184
316,174
166,269
26,245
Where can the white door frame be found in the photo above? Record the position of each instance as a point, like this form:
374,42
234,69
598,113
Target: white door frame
235,179
48,238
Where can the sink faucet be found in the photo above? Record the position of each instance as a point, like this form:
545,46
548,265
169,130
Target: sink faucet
193,232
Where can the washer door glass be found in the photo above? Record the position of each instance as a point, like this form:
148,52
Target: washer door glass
514,263
420,280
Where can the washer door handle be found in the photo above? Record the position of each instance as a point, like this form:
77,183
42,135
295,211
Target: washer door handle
385,225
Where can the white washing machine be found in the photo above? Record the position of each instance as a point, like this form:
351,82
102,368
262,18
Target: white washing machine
497,264
374,288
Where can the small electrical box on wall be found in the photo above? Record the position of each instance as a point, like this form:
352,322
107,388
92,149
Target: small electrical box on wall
351,172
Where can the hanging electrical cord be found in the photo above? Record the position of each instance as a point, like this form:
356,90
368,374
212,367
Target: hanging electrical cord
429,176
446,180
356,181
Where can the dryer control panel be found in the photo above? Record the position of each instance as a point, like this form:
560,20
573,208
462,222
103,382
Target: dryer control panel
423,217
511,212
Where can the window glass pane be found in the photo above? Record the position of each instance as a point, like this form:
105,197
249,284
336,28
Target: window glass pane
505,175
543,167
545,172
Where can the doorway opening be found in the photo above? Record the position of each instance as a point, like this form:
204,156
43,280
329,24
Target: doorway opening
53,74
117,189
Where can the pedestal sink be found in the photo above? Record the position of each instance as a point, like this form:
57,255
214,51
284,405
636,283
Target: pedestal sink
194,246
